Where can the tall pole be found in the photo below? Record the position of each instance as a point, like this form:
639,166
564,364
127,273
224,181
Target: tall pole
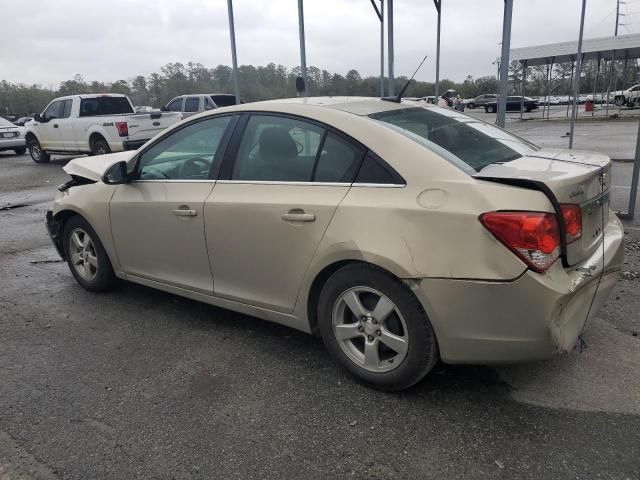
576,82
303,53
504,62
380,15
234,58
381,48
524,79
595,87
438,4
617,17
390,47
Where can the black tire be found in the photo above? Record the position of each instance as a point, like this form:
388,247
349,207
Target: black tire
471,105
422,351
630,104
490,109
104,278
100,147
528,109
20,151
619,101
35,150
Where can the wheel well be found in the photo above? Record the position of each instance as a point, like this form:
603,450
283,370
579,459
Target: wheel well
30,136
319,282
61,218
94,138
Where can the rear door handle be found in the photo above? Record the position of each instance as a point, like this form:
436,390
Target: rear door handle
185,212
298,215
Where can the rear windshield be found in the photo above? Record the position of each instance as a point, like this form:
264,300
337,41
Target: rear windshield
461,139
5,123
104,106
223,100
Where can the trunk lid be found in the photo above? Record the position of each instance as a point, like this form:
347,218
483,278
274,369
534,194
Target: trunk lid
573,177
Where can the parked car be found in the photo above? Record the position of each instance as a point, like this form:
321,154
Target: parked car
514,104
629,97
94,124
400,233
22,121
192,104
480,100
11,137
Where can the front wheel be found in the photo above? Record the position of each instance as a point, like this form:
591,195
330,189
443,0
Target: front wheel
490,109
37,154
471,105
86,257
619,101
630,104
376,328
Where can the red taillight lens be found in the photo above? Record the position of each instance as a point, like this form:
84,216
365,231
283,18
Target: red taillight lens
532,236
123,129
572,217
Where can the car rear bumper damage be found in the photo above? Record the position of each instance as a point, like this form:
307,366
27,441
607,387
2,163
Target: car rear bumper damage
54,230
532,317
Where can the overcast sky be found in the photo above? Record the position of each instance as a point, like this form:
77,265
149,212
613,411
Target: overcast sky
46,41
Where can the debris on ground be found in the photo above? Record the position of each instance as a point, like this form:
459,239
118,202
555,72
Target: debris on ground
15,205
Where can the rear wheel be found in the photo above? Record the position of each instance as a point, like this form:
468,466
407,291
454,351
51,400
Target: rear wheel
631,104
490,109
86,257
20,151
619,101
100,147
35,150
376,328
471,105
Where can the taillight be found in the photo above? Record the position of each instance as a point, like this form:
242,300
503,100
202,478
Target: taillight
123,129
572,217
532,236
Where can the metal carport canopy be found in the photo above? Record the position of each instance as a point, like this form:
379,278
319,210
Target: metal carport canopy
624,46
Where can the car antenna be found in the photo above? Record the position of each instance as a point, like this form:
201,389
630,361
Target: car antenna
398,98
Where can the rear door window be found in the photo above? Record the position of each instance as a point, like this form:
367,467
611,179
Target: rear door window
338,160
105,106
224,100
463,140
192,104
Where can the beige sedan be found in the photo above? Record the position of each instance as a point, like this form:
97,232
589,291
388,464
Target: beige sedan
401,234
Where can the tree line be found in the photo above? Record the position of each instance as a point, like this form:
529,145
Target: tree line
276,81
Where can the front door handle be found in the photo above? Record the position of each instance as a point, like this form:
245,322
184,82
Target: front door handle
185,212
298,215
55,125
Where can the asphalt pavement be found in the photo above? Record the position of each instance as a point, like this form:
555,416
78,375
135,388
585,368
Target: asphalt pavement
137,383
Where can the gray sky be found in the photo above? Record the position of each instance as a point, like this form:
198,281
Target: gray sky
46,41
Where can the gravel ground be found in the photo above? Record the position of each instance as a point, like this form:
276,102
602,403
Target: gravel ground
137,383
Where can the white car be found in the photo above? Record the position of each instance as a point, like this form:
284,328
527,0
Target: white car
94,124
191,104
11,137
629,97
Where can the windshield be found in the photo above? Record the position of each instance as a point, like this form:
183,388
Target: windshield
463,140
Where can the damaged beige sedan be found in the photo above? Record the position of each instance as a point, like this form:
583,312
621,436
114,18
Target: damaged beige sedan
401,234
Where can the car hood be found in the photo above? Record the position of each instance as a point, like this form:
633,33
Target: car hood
93,168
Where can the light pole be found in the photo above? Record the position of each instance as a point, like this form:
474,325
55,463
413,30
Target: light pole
504,62
234,59
438,4
380,15
303,54
390,47
576,81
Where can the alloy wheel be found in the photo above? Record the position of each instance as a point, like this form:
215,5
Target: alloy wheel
370,329
83,254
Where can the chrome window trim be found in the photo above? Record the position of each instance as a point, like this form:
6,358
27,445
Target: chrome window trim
173,180
318,184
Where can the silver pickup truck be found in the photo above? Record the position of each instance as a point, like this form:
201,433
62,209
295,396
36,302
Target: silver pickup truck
93,124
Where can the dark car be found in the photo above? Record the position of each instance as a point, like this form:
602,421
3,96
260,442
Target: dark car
481,100
514,104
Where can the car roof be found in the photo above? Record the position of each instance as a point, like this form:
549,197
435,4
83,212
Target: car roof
356,105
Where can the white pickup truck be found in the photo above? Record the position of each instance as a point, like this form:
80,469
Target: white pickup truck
629,97
93,124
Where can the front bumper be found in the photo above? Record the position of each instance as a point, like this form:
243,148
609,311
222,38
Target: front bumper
54,231
530,318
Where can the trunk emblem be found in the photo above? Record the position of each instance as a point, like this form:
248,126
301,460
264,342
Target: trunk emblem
575,193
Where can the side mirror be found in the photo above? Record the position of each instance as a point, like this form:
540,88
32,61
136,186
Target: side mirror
37,117
164,108
116,174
